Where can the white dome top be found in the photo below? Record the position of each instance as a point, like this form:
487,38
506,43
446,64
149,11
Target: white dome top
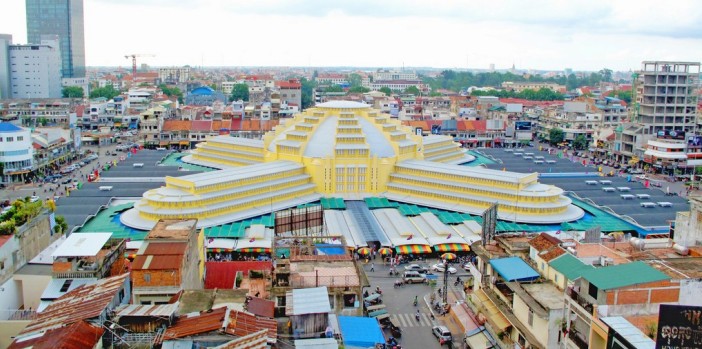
342,105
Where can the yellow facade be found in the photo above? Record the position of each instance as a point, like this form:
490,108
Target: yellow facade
339,149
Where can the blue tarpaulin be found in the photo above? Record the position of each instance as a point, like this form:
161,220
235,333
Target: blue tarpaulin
360,332
514,269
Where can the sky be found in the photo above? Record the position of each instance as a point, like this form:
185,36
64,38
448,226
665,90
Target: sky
459,34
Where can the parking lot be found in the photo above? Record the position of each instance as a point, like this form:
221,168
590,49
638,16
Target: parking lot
572,176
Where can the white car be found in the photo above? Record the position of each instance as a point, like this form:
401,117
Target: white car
34,198
439,267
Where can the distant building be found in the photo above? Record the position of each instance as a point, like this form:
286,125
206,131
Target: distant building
204,95
290,91
63,18
521,86
35,69
174,75
5,42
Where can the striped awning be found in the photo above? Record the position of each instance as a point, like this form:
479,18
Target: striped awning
454,247
406,249
255,250
219,250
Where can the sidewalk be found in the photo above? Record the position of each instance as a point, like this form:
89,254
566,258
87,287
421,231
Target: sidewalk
460,318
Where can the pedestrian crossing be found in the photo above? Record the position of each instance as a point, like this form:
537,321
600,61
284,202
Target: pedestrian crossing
408,320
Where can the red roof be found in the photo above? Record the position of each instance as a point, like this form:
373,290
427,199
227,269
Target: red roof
261,307
201,125
158,262
165,248
5,238
288,84
79,110
221,274
80,335
176,125
205,321
242,324
82,303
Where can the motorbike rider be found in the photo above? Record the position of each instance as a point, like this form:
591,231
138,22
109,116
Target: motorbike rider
416,300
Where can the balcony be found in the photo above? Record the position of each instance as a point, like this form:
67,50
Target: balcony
576,338
576,297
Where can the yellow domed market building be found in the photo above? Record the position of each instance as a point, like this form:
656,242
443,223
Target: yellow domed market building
348,150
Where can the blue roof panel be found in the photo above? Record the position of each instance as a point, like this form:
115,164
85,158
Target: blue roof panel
363,332
8,127
514,269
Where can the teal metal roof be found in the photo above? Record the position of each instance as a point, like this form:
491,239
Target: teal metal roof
623,275
570,266
333,203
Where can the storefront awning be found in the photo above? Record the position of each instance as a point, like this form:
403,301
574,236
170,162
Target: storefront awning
17,172
255,250
494,315
163,143
455,247
184,143
407,249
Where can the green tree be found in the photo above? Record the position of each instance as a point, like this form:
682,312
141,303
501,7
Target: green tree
386,90
623,95
72,92
240,92
334,88
107,92
606,74
172,91
555,136
359,89
412,90
61,225
354,80
307,88
435,94
580,142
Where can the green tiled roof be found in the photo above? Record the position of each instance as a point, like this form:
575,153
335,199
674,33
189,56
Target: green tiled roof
375,202
238,229
333,203
173,159
107,221
570,266
605,220
623,275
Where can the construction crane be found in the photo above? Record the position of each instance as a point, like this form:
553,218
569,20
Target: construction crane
134,56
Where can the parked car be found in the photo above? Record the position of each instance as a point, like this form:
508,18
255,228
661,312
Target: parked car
34,198
413,277
439,267
442,333
415,267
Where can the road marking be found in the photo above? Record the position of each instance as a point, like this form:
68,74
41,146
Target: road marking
409,320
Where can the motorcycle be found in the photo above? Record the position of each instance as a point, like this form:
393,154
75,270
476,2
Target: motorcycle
415,302
398,283
458,281
416,316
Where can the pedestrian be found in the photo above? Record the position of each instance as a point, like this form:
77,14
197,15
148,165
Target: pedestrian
372,267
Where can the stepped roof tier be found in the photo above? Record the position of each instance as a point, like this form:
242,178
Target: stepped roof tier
349,150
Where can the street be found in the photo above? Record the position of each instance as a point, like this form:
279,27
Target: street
46,191
399,304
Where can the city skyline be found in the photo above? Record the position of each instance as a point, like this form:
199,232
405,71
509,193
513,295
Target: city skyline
542,35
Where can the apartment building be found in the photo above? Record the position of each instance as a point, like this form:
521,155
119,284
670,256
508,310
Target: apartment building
17,154
169,260
35,69
666,102
332,79
521,86
174,75
290,91
574,118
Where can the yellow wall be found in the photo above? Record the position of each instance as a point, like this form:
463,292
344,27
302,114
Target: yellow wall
32,288
9,329
539,327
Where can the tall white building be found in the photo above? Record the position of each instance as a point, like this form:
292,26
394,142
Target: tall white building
5,42
35,69
174,75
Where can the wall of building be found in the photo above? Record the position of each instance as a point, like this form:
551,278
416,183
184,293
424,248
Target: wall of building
690,291
5,41
36,70
9,330
32,287
10,298
538,328
36,236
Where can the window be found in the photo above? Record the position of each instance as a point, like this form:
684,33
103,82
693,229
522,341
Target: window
20,138
10,139
147,277
556,278
530,318
592,291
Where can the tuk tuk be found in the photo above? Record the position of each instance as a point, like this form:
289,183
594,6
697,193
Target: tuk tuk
373,299
395,328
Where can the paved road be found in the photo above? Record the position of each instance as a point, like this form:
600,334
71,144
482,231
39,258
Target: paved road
399,303
17,191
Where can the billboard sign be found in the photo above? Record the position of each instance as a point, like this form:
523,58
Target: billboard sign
679,327
671,134
694,141
489,224
522,125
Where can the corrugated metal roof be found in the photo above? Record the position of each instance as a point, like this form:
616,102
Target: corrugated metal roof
242,324
80,335
165,248
622,275
261,307
191,324
147,310
162,262
82,245
316,343
312,300
83,303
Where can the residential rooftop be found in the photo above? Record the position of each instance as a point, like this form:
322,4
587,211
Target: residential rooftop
546,293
